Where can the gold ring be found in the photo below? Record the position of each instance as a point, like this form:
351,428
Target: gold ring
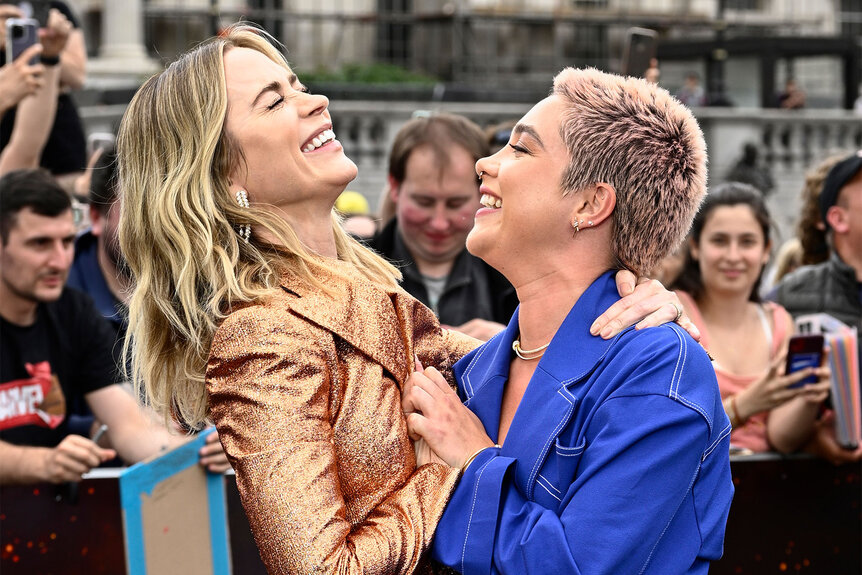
678,311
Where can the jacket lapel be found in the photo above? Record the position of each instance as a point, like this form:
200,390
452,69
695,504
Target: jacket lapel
359,312
482,379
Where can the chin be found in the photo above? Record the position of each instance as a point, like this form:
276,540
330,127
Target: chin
349,171
479,246
47,296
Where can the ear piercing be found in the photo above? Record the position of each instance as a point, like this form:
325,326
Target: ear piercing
576,224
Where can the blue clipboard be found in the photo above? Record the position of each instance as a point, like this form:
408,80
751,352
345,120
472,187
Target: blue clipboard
139,482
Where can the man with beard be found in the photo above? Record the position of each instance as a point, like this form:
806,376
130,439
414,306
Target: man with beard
55,349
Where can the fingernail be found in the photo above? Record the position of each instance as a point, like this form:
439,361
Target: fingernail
594,329
606,333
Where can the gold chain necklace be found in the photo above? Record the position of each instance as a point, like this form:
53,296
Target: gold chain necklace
528,354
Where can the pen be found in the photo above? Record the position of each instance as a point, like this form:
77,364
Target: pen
72,487
99,433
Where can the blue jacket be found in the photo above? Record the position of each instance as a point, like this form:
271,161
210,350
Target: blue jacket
616,460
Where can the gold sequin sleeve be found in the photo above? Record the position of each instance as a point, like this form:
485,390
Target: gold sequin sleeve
315,434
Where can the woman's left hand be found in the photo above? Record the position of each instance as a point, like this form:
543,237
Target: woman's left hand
435,413
644,303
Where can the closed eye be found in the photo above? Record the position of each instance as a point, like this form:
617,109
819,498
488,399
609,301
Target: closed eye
275,104
519,149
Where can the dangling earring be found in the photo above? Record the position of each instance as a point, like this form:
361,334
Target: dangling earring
244,229
577,225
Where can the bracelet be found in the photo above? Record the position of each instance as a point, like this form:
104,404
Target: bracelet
49,60
735,412
734,423
472,457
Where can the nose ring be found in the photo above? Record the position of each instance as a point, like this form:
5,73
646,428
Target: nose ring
481,173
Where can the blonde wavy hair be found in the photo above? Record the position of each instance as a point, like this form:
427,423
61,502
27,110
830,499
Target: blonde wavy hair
178,223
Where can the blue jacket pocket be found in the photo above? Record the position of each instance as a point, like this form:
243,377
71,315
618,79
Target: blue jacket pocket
557,474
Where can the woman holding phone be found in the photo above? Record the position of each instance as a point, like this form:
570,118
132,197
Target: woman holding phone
729,246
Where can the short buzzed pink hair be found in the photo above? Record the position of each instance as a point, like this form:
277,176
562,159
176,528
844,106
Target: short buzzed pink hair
635,136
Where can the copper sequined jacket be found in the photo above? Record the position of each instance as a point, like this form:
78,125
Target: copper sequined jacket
304,390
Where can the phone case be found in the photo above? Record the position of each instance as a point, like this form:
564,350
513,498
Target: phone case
21,33
802,355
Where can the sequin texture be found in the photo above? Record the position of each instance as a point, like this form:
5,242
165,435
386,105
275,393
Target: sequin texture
304,389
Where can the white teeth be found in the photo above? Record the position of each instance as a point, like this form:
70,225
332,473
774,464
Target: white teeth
319,140
490,201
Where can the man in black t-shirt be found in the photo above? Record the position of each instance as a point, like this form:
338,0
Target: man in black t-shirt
55,348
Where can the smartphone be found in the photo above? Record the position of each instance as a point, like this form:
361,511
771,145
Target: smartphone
36,9
804,351
21,33
640,48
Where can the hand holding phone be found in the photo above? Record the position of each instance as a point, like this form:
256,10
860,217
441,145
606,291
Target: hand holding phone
804,351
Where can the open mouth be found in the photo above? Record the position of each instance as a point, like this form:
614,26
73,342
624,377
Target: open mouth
319,140
490,201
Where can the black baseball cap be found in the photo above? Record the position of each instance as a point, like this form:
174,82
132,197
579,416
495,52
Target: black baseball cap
837,178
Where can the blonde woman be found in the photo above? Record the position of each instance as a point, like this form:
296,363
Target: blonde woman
253,308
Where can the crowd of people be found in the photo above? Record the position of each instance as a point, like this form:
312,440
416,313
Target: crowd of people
377,379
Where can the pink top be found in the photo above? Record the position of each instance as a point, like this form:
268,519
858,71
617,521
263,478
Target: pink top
752,434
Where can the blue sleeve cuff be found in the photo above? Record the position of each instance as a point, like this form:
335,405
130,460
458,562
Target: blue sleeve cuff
465,534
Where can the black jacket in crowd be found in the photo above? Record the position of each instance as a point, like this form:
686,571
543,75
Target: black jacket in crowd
473,289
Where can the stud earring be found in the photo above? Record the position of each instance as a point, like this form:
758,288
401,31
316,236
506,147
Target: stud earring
590,223
577,226
244,229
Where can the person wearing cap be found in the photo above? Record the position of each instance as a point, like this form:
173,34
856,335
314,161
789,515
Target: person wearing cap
356,215
833,287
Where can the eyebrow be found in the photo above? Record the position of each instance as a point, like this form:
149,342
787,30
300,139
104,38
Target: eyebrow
530,131
274,86
34,239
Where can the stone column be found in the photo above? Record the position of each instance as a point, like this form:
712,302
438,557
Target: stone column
122,54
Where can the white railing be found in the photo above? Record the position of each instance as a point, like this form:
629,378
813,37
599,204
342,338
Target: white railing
789,141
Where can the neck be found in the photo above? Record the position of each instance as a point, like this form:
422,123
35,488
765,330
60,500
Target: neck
313,227
849,256
545,303
433,269
16,310
118,284
550,280
723,309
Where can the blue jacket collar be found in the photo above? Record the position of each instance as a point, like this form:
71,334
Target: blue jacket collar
549,401
573,351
